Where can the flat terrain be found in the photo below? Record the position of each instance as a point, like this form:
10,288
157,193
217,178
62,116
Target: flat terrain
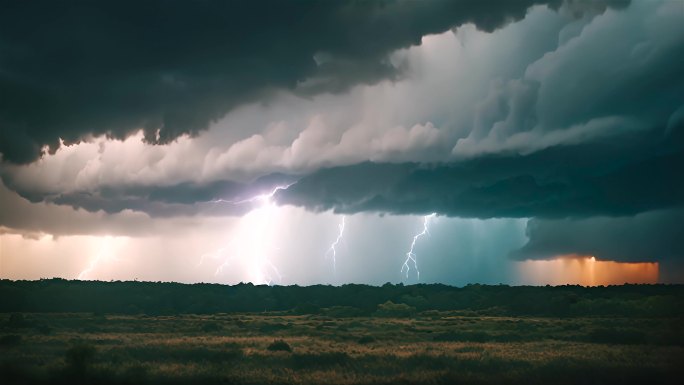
286,348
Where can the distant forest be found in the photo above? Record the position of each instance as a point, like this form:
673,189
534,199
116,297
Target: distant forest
161,298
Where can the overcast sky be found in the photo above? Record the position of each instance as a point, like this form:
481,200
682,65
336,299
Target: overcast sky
311,141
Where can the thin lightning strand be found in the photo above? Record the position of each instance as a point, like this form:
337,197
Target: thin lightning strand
274,275
91,266
261,198
411,256
104,254
332,251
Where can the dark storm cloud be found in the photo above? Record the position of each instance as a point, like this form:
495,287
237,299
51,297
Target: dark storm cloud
538,147
652,236
18,215
218,198
641,173
71,69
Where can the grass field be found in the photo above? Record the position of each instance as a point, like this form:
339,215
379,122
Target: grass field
428,347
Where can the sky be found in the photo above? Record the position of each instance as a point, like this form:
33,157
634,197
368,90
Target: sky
331,142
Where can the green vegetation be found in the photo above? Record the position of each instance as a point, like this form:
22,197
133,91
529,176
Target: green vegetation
279,346
399,340
58,295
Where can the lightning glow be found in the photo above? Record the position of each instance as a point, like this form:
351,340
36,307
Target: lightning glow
261,198
332,251
106,252
410,255
251,244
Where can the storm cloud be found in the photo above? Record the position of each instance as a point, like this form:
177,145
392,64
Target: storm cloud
574,181
533,142
165,120
651,236
640,174
73,70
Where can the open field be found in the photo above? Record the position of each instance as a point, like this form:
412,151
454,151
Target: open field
427,348
397,334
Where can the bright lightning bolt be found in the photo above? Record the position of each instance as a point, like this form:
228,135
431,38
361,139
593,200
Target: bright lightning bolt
332,251
88,270
105,253
261,198
411,256
254,235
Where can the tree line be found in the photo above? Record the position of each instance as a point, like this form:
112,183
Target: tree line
161,298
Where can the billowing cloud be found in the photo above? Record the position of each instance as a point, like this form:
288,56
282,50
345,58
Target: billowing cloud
431,158
574,181
30,219
650,236
75,70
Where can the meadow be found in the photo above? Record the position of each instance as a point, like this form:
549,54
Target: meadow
395,344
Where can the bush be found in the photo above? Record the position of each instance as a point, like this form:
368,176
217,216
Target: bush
80,357
391,309
272,327
209,327
616,336
16,320
463,336
43,329
306,308
366,340
279,346
344,311
321,360
10,340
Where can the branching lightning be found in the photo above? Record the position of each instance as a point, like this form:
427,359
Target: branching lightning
332,251
261,198
254,235
411,256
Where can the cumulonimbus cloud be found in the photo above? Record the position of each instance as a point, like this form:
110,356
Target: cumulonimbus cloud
532,146
73,70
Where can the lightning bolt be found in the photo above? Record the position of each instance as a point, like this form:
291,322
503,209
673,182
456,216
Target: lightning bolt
332,251
261,198
106,247
255,230
411,256
89,269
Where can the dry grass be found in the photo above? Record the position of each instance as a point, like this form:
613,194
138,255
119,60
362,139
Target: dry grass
432,348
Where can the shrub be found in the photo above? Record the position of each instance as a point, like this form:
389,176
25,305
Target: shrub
366,340
463,336
391,309
344,311
79,357
306,308
279,346
321,360
10,340
43,329
616,336
209,327
272,327
16,320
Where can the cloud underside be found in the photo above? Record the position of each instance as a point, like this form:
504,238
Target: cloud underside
113,67
595,179
498,187
651,236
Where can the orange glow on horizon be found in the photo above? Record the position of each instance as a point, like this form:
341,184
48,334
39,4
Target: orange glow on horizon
586,271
